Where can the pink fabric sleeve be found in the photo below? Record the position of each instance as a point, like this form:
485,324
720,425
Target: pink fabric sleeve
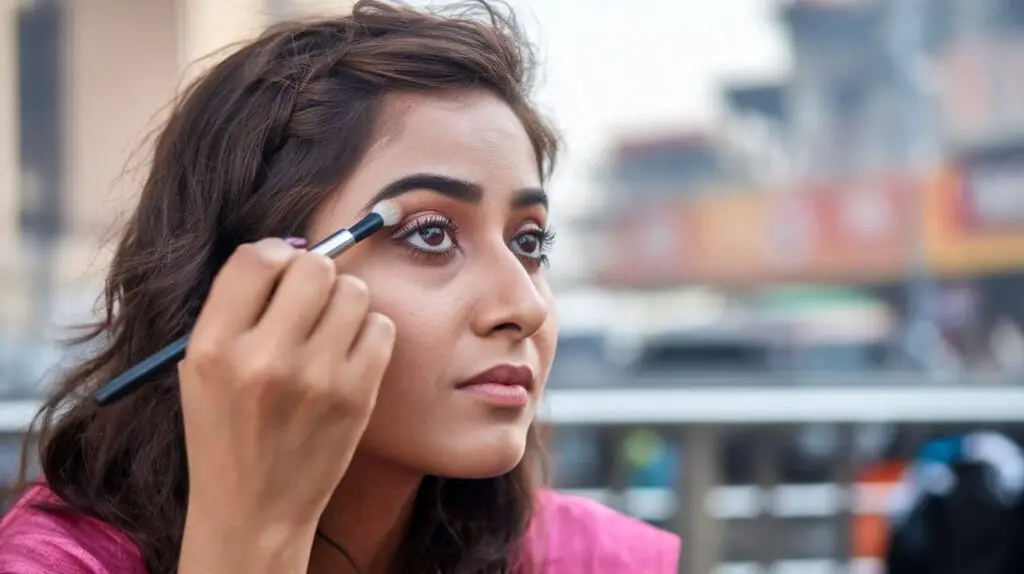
34,541
570,535
575,535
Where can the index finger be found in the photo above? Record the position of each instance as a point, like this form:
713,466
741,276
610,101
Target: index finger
242,288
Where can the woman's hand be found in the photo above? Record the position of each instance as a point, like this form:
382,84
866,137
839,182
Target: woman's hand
277,387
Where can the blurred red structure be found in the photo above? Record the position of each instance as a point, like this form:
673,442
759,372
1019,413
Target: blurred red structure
865,230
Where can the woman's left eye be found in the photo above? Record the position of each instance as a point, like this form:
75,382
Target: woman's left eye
533,244
528,244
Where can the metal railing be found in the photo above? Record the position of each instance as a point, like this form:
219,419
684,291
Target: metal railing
698,507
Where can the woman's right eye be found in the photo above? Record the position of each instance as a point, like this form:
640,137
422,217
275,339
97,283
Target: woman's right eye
432,238
431,235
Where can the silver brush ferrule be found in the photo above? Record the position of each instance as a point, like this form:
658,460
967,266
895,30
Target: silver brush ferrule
336,244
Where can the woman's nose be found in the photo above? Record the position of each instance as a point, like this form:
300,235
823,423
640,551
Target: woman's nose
508,300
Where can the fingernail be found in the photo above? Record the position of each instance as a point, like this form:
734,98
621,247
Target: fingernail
295,241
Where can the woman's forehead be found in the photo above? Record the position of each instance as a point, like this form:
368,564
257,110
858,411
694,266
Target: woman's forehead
452,129
470,136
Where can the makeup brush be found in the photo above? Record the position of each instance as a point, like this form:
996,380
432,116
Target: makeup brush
384,214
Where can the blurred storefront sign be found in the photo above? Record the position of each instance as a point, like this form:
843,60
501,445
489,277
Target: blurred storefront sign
992,195
849,231
974,219
856,231
731,233
866,229
649,246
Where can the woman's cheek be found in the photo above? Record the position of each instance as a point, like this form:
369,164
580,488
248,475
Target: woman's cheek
426,325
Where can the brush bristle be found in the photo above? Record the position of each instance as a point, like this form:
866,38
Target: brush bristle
388,211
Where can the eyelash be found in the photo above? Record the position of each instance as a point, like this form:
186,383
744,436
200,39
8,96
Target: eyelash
546,238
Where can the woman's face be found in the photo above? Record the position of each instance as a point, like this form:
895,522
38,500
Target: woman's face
462,277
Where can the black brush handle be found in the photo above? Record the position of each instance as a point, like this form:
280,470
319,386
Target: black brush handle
129,381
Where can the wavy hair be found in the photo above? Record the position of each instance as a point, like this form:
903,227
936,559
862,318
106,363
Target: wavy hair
250,150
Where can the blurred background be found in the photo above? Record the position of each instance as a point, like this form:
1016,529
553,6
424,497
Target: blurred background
791,240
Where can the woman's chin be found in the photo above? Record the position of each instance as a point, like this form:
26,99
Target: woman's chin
487,457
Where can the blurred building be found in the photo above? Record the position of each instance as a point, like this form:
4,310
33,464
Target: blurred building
83,83
686,164
883,84
852,101
891,160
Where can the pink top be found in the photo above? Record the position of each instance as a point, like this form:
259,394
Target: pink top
573,535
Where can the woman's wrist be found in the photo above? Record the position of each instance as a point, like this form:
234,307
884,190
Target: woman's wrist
215,543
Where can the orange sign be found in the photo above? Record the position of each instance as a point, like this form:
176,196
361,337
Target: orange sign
729,239
973,224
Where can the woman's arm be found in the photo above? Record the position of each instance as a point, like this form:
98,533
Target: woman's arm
212,544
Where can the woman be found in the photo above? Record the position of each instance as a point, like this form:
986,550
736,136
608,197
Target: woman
333,417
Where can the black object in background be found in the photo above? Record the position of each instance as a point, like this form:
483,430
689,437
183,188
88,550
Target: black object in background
967,530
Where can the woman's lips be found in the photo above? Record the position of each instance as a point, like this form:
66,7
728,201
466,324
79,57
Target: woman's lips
503,385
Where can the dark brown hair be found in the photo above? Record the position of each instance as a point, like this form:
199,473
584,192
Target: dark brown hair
250,151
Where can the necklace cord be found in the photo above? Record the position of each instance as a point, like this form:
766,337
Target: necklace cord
341,550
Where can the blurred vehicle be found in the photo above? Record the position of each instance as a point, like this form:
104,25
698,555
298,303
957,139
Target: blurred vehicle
582,359
693,352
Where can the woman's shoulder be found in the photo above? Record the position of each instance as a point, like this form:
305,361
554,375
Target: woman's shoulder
35,540
574,534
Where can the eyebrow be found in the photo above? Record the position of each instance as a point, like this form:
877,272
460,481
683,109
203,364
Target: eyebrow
454,188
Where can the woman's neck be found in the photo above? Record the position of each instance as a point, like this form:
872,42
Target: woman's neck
368,516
